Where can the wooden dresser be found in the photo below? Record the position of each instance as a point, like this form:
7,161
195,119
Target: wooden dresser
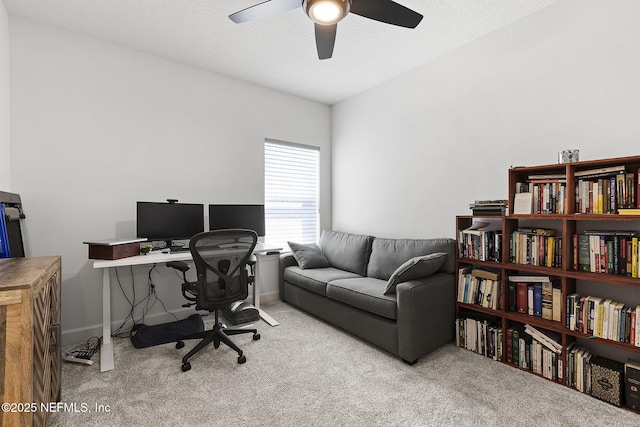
30,347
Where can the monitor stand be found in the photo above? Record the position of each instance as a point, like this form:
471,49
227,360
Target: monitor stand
168,244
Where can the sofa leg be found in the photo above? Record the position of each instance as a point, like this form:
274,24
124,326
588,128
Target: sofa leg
409,362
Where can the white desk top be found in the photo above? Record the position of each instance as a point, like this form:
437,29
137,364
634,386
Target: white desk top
159,257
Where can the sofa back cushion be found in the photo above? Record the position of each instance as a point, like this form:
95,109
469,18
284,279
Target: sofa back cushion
349,252
389,254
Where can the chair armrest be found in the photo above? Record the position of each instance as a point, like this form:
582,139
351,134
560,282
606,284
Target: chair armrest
178,265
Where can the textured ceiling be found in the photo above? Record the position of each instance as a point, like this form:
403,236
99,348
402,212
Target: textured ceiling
279,51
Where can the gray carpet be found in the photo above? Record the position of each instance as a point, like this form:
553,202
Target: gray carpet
307,373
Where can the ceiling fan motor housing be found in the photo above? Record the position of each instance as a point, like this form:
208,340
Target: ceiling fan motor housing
326,12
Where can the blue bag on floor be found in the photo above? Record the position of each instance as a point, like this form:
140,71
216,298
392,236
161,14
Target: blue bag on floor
143,336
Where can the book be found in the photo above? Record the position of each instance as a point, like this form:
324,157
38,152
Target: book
463,274
607,378
537,299
632,384
475,228
530,279
486,274
510,345
489,207
599,171
547,300
523,204
584,263
629,211
521,297
557,304
551,340
570,311
511,296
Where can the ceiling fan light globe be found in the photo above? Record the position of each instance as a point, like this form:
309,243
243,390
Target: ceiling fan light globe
326,12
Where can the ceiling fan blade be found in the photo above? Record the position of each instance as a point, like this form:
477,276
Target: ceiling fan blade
386,11
325,40
264,9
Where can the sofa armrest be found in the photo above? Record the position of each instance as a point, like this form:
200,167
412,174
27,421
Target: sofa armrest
286,260
425,314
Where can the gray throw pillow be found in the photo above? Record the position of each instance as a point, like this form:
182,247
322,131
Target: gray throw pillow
308,256
415,268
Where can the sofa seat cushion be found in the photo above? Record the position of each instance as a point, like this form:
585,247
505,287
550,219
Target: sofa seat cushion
365,293
315,280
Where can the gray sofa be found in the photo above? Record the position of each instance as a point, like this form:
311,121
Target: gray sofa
398,294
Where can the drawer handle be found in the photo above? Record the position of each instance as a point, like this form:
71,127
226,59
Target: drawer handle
55,336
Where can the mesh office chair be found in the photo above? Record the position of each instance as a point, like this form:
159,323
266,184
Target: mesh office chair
221,258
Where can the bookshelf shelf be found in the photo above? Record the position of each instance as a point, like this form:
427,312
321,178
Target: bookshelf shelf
613,184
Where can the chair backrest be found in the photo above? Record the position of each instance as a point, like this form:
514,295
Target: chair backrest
221,258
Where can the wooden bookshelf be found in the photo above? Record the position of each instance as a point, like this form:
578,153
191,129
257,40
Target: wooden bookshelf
575,219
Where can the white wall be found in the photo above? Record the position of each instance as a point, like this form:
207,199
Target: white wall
412,153
5,133
97,127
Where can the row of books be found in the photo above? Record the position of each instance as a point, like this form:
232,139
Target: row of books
605,379
480,336
548,193
482,245
603,318
481,287
536,296
540,351
579,368
535,246
610,252
605,190
534,350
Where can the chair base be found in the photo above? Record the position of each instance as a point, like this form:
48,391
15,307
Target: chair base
218,334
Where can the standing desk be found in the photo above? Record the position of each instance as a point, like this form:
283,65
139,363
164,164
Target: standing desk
106,349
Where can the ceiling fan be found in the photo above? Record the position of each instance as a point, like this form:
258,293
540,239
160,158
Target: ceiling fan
327,13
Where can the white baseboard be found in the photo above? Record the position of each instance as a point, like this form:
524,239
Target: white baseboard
270,297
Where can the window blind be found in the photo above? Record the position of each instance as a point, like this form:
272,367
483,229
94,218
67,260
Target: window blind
291,205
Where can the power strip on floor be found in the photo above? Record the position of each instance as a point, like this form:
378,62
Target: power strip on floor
69,358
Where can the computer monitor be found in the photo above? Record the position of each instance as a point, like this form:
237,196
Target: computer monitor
250,217
169,221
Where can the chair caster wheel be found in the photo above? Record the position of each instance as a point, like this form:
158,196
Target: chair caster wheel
256,337
179,344
242,359
186,366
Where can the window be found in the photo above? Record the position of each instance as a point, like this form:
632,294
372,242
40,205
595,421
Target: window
291,189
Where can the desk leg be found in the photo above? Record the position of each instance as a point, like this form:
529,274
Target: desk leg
266,269
106,349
